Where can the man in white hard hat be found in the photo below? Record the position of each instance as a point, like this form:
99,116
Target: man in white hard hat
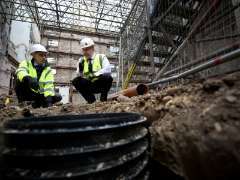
35,80
93,73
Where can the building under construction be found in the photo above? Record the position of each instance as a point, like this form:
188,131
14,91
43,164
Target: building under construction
175,62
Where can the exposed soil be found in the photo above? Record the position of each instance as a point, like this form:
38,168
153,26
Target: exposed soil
195,127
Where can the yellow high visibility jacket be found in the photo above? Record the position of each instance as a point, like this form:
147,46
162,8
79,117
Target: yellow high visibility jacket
96,66
46,80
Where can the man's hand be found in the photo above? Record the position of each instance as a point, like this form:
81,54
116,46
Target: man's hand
32,82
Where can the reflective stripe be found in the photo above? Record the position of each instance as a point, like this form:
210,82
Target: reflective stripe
46,82
47,89
19,70
47,73
24,68
36,91
28,64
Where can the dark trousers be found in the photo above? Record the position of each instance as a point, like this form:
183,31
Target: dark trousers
24,93
88,88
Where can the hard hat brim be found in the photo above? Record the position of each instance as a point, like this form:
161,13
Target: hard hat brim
87,46
39,51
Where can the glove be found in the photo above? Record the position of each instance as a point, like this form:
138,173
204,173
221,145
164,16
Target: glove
32,83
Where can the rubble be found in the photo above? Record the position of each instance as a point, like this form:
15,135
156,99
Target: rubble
194,127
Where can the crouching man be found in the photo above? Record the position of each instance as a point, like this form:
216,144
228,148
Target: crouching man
93,73
35,80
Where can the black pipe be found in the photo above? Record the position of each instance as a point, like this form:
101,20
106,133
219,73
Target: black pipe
93,146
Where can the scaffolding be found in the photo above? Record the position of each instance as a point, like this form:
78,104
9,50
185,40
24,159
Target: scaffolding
157,38
99,16
165,38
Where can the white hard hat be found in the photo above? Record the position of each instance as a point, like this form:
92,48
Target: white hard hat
38,48
86,42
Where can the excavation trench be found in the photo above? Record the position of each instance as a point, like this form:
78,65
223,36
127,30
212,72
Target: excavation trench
194,127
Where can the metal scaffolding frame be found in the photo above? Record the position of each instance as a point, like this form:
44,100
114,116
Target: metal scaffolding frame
157,38
101,16
180,32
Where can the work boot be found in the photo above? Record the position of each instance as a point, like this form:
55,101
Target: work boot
103,97
57,98
36,104
90,98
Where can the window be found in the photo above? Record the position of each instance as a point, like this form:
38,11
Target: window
53,43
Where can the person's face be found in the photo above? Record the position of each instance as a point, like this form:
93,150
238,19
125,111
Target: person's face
88,52
40,57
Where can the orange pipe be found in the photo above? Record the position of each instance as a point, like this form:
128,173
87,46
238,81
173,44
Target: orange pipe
130,92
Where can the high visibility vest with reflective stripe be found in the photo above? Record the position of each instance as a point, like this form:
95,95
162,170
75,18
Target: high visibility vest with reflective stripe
96,66
46,80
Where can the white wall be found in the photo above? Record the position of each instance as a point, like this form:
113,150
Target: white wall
22,35
64,91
